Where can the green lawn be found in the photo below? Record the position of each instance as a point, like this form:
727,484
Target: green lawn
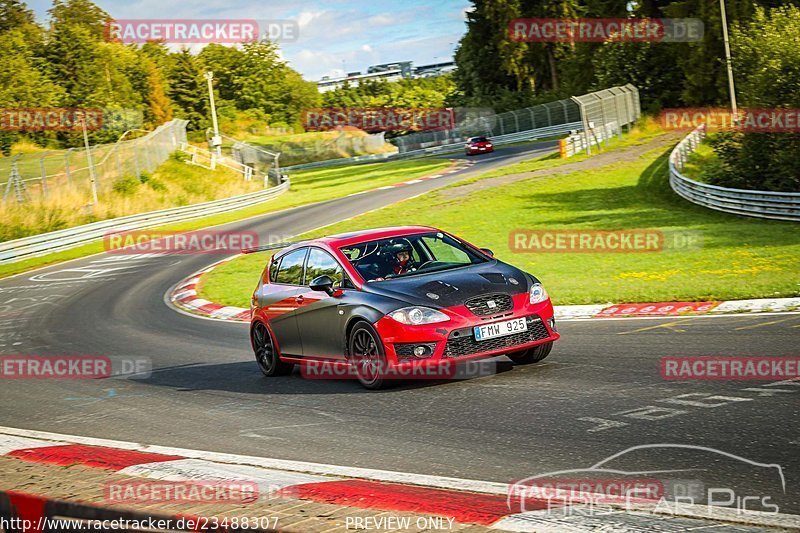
739,258
307,187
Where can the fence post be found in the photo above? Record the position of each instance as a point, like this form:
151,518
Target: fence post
119,161
136,159
603,115
620,120
585,121
44,175
66,167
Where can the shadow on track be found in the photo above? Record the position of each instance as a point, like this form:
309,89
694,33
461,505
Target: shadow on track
244,377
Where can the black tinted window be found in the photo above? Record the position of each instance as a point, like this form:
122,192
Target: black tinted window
273,269
320,263
291,269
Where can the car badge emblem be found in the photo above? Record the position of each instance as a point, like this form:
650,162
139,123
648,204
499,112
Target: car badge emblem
432,296
513,281
491,304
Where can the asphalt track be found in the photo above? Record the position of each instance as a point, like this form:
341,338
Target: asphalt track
599,393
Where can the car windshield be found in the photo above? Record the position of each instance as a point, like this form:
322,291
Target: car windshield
409,255
478,139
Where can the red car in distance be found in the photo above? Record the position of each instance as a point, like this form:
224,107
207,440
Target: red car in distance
478,145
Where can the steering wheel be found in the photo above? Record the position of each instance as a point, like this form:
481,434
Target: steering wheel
423,264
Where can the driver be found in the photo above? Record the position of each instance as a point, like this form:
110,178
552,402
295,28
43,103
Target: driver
403,262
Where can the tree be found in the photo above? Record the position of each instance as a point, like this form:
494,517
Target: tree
23,83
489,62
264,81
188,90
14,14
766,63
82,13
648,66
224,62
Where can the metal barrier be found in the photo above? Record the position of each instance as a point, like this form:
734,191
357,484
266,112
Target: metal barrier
577,142
617,104
209,160
442,149
760,204
55,241
264,163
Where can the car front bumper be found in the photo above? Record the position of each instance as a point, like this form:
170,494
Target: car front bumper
454,340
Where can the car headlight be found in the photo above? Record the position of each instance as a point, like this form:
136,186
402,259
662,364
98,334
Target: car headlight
537,293
418,315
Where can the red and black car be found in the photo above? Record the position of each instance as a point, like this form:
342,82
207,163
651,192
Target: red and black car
391,298
478,145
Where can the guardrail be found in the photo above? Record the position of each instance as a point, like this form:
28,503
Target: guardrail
56,241
209,160
760,204
530,135
578,142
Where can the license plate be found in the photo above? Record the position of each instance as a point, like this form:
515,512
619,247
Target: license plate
500,329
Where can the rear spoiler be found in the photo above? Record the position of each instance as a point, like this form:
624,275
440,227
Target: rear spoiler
266,247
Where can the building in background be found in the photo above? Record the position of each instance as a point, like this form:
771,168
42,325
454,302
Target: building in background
387,72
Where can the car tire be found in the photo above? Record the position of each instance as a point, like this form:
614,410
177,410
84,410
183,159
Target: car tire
531,355
267,357
365,352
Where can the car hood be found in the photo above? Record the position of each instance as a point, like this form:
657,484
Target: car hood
452,287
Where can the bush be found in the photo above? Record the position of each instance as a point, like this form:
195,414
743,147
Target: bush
179,156
156,185
126,185
756,161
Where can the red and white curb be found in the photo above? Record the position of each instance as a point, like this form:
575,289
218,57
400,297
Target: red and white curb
456,167
185,296
464,501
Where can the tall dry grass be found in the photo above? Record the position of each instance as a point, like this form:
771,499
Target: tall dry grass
174,183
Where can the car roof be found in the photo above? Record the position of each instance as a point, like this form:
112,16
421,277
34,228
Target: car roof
358,237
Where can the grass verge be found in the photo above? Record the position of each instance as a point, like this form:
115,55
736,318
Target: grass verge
307,187
739,257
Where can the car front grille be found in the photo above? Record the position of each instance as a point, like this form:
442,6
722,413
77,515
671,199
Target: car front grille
480,305
462,342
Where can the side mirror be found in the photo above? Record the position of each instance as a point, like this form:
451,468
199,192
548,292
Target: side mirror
487,252
323,284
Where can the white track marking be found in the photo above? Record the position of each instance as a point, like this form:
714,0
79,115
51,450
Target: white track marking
9,443
199,470
322,469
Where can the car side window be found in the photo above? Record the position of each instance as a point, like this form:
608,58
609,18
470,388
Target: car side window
290,271
321,263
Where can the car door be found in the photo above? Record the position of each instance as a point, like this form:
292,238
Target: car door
280,299
318,319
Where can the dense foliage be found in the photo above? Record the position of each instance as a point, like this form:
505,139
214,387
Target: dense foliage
768,75
70,63
495,71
